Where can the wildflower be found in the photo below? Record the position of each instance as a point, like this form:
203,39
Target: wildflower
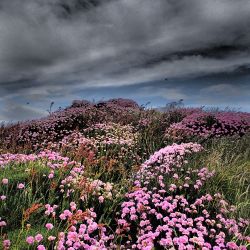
172,187
51,176
30,240
108,187
38,237
49,226
51,238
175,176
2,197
5,181
2,223
232,245
101,199
72,206
20,186
159,216
41,247
6,244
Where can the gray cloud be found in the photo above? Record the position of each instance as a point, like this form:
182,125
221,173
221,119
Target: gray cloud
101,43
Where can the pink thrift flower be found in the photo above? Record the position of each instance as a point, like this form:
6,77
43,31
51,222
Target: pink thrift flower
72,206
62,216
159,216
232,245
38,237
6,244
51,176
41,247
5,181
175,176
49,226
20,186
30,240
3,223
2,197
101,199
67,212
51,238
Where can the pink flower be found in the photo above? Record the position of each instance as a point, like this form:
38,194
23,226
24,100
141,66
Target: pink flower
30,240
6,244
49,226
38,237
20,186
2,197
232,245
3,223
101,199
243,248
51,175
183,239
67,212
72,206
5,181
62,216
51,238
92,227
41,247
172,187
159,216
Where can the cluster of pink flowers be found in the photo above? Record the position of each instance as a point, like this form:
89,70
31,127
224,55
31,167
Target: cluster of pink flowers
6,244
112,133
88,143
50,210
78,116
31,240
74,180
76,145
51,159
75,140
120,102
87,187
167,207
81,231
6,159
210,124
84,232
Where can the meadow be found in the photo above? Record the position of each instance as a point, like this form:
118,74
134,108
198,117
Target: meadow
115,175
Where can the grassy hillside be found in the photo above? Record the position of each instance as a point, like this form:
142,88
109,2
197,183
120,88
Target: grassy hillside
114,175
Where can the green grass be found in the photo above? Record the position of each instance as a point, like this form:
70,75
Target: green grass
18,237
230,158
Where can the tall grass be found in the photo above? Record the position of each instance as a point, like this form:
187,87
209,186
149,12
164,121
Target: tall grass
230,158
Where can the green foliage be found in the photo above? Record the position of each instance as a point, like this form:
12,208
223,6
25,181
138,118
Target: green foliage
24,208
230,158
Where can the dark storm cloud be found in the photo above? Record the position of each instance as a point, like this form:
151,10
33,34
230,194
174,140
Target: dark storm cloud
54,47
94,42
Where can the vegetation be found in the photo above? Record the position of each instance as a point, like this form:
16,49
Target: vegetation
115,175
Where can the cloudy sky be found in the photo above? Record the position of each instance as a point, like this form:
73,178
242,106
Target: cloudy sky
148,50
